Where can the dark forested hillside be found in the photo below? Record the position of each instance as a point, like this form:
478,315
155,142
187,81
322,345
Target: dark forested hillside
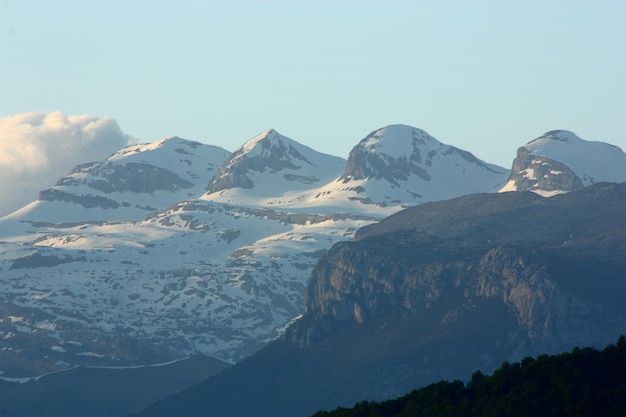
585,382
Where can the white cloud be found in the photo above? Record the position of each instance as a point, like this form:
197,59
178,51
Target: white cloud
36,149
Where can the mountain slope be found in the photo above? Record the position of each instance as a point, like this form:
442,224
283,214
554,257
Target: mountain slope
559,161
401,307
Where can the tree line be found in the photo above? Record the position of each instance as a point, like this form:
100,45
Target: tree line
584,382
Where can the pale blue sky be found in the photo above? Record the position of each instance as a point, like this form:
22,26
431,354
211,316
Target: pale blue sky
485,76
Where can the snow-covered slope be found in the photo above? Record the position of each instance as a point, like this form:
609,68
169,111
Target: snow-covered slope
198,277
559,161
151,273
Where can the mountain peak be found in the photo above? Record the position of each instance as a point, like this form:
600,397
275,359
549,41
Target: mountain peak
172,142
559,161
384,148
269,144
396,140
271,153
268,134
552,137
397,152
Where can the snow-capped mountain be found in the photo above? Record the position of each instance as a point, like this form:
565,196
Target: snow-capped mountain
271,169
174,248
392,168
399,166
559,161
129,185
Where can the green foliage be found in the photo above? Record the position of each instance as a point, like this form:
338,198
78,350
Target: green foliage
582,383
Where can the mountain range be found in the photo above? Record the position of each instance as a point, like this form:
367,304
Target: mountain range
176,248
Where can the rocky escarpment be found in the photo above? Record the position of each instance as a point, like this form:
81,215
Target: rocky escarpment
553,300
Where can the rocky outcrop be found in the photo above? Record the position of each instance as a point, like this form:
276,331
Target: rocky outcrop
540,173
136,178
112,177
559,162
87,201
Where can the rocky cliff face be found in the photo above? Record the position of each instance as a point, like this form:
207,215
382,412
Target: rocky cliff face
424,262
443,288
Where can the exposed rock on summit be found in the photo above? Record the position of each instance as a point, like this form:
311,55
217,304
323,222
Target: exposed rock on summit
400,163
397,152
272,153
559,161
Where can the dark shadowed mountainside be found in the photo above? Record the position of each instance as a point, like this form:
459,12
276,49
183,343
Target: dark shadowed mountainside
102,392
